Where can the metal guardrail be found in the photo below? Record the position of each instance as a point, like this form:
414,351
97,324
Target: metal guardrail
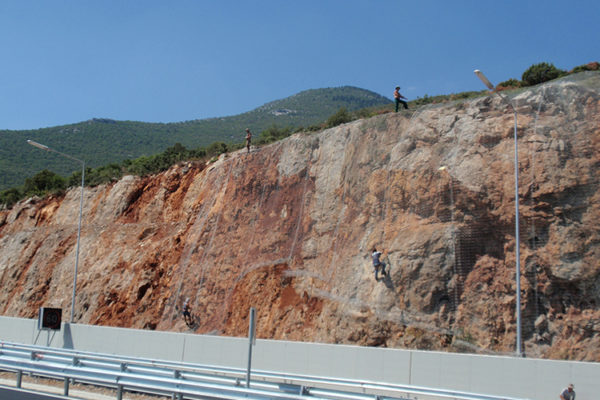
194,381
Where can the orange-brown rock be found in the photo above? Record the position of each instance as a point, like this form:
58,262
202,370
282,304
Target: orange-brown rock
288,229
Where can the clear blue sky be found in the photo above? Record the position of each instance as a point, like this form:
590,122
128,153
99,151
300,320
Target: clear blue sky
168,61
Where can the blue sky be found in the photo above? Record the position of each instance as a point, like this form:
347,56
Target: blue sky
168,61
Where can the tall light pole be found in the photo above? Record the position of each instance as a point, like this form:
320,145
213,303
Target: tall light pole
46,148
489,85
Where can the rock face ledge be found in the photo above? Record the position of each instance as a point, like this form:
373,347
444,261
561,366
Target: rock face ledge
288,229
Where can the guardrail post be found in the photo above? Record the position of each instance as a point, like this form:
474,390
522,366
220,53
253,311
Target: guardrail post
19,378
66,387
176,375
251,341
123,368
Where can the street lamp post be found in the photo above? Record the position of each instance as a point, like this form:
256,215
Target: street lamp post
489,85
46,148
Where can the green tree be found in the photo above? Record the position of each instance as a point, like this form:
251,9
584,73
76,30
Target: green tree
44,182
176,153
10,196
97,176
198,153
217,148
539,73
273,133
142,166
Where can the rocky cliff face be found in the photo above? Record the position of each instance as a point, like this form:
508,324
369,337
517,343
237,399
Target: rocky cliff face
288,229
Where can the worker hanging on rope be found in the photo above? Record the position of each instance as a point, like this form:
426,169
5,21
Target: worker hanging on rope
187,314
377,263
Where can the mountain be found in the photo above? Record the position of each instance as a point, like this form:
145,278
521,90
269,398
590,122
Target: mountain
288,229
102,141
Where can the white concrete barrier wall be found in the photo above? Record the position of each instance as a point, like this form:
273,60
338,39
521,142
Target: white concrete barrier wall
503,376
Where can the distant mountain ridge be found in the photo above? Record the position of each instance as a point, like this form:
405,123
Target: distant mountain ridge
101,141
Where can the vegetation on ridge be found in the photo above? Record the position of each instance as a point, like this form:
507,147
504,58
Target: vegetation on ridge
46,181
102,141
543,72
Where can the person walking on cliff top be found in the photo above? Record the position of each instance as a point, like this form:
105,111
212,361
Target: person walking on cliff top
248,139
377,263
398,99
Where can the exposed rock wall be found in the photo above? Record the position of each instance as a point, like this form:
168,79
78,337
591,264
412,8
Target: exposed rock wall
288,229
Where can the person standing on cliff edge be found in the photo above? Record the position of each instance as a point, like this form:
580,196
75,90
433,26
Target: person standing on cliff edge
398,99
248,139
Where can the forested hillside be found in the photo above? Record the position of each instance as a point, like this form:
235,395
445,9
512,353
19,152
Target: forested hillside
102,141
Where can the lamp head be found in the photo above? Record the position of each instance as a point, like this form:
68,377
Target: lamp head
38,145
483,79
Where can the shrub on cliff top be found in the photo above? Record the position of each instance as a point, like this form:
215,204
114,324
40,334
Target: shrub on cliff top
44,182
340,117
9,197
539,73
593,66
509,84
273,133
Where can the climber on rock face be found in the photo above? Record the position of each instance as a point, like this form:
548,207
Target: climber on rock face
187,315
377,263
